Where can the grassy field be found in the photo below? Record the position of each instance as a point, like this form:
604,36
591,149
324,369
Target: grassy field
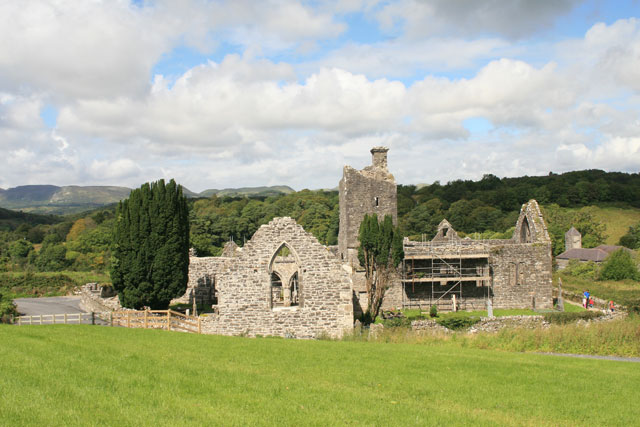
618,291
618,220
83,375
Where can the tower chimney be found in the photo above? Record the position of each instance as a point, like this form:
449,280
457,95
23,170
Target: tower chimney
379,159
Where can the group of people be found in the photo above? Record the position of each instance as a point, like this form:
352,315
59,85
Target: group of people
587,301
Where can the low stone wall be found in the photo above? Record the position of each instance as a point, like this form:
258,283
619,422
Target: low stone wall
91,301
495,324
429,325
486,324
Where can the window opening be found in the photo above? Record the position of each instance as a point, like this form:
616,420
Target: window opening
525,231
277,295
285,278
293,289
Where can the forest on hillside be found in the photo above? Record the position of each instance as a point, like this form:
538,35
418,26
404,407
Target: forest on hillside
487,208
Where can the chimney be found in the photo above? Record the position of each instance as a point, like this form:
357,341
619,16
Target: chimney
379,155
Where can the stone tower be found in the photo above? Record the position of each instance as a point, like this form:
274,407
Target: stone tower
370,190
572,239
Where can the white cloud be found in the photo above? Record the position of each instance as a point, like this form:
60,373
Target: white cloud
513,19
250,119
114,171
402,58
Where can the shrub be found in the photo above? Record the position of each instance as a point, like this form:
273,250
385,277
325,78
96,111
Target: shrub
619,266
632,305
433,311
584,270
35,285
397,322
7,309
562,318
456,322
20,248
632,239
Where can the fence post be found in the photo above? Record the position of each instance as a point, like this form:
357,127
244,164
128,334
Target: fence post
19,320
93,318
111,318
65,318
145,318
199,328
168,320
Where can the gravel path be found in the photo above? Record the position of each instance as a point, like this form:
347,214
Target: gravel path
589,356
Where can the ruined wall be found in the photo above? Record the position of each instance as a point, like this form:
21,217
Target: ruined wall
522,276
91,299
520,267
202,280
244,288
368,191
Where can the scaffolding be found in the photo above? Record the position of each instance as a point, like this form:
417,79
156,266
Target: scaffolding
442,270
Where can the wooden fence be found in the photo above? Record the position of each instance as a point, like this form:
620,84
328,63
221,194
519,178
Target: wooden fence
156,319
52,319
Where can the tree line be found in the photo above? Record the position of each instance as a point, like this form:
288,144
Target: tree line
487,208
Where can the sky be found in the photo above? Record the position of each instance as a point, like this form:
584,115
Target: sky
219,94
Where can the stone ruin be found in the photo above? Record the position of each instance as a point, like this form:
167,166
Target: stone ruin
466,274
284,282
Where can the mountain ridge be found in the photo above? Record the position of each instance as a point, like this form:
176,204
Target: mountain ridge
53,199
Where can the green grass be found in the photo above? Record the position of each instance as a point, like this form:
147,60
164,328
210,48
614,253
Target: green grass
618,291
83,375
572,308
613,338
618,220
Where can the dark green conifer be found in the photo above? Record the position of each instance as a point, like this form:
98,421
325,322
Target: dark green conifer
151,246
380,252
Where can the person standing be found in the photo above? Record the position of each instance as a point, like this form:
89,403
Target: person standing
585,300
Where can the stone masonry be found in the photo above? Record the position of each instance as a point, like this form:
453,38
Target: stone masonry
310,290
512,273
370,190
245,289
202,280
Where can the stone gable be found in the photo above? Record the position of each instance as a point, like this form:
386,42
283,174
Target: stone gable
245,294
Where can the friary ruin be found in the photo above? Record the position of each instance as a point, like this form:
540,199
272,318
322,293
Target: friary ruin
284,282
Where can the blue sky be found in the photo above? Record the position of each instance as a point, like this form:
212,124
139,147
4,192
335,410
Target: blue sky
225,94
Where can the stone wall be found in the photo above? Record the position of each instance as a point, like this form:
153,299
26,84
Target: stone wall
202,280
486,324
244,288
368,191
522,276
519,269
92,301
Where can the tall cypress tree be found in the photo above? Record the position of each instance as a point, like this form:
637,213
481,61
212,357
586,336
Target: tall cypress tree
151,246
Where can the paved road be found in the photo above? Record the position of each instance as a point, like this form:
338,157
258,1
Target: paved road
48,305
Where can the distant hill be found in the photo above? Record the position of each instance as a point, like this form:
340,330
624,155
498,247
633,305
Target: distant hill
51,199
249,191
10,220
